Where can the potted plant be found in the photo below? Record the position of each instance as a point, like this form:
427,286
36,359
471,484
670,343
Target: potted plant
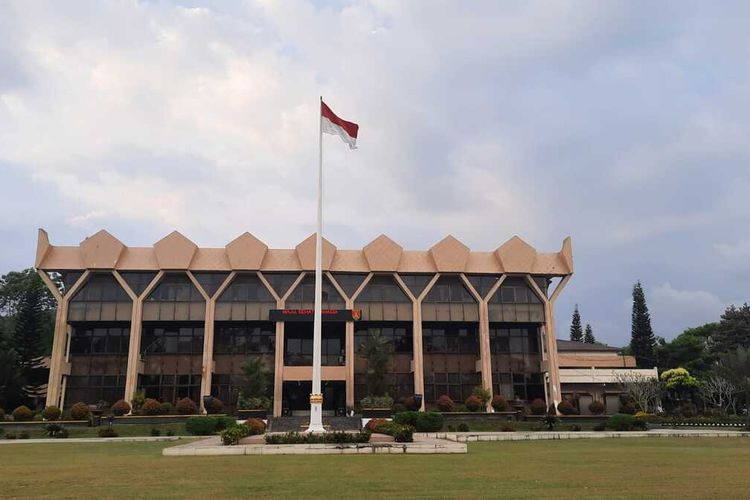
253,400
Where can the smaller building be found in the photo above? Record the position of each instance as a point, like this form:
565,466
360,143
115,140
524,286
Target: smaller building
589,372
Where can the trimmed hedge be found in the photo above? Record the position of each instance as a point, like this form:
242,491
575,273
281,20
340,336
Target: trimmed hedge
473,403
186,406
422,421
499,403
445,403
200,425
151,407
338,437
596,407
51,413
166,408
80,411
566,408
22,414
120,408
232,435
538,407
625,422
255,426
215,406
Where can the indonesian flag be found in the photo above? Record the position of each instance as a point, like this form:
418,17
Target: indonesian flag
332,124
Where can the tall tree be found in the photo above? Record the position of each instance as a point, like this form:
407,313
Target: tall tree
642,341
13,288
588,337
576,332
735,367
691,350
377,350
733,330
11,383
28,343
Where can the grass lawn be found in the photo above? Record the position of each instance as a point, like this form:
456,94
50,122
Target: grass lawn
601,468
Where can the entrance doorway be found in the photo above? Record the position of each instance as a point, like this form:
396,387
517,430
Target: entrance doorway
296,397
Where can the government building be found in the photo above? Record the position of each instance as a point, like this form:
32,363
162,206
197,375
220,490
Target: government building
175,320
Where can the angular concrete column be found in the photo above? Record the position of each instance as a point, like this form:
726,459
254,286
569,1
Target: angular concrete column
278,365
553,364
136,325
418,359
207,366
57,358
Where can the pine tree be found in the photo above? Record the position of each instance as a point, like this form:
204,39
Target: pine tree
588,337
11,384
576,332
28,343
642,340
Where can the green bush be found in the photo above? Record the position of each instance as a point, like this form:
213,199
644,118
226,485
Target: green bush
473,403
500,404
166,408
170,432
484,395
429,421
627,409
232,435
445,403
377,402
80,411
120,408
22,414
463,427
51,413
107,432
566,408
625,422
538,407
403,433
406,418
224,421
596,407
255,426
151,407
186,406
155,432
201,425
374,423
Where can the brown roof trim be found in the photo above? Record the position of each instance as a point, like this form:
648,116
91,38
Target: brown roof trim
572,346
246,252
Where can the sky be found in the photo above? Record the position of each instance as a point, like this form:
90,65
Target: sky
621,124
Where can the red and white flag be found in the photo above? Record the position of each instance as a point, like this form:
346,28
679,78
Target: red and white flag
332,124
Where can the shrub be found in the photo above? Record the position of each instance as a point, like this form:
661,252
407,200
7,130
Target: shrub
214,406
600,426
255,426
166,408
232,435
406,418
445,403
38,417
107,432
51,413
566,407
473,403
80,411
429,421
374,423
201,426
377,402
483,394
538,407
338,437
151,407
499,403
403,433
625,422
411,404
596,407
155,432
186,406
120,408
463,427
22,414
224,421
627,408
170,432
139,398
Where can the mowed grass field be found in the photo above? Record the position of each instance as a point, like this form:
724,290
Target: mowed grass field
596,468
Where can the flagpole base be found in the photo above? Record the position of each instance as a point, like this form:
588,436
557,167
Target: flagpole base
316,415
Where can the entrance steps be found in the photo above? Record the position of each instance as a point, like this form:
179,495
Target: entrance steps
299,424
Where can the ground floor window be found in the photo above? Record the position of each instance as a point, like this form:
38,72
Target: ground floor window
101,390
171,388
458,386
526,386
298,344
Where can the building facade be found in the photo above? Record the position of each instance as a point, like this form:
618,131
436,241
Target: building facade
175,320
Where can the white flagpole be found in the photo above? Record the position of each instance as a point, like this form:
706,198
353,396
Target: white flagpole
316,398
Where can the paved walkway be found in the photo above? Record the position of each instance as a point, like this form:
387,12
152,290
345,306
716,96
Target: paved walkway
92,440
463,437
213,447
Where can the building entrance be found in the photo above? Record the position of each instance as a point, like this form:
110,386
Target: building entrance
296,397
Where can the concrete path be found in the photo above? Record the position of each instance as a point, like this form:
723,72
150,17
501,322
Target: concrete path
463,437
93,440
213,447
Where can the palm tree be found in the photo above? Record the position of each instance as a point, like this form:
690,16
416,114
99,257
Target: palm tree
377,350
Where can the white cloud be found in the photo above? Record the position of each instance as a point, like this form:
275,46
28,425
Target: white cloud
673,310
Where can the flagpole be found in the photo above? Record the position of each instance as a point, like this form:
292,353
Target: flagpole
316,397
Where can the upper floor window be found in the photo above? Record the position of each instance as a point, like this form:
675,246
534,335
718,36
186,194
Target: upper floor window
449,289
514,340
101,288
247,338
175,287
515,291
450,338
172,338
416,282
305,291
138,281
246,288
382,289
102,339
